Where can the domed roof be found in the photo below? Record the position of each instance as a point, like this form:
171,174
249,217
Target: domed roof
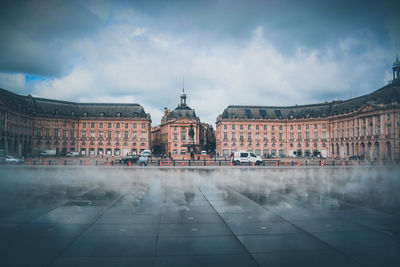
396,64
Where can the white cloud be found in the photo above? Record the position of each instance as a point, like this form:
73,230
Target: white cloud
13,81
126,63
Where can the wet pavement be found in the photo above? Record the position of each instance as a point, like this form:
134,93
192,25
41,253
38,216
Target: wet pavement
194,217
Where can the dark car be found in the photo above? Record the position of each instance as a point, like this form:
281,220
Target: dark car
354,158
127,159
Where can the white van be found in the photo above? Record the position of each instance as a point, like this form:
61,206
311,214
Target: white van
245,158
146,153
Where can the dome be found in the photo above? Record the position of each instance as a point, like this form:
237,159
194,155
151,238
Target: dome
396,64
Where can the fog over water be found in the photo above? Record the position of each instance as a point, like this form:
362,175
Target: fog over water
24,190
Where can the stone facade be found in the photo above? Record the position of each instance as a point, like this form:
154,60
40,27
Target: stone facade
175,139
29,125
366,126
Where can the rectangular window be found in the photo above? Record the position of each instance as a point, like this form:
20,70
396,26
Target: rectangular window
64,133
299,136
117,134
233,127
273,127
273,136
64,124
134,125
143,125
323,135
307,127
241,127
109,134
126,125
101,135
109,125
307,135
265,136
233,136
291,127
101,125
225,126
225,136
55,132
249,127
72,134
257,136
291,136
134,135
175,136
257,127
143,134
280,136
249,136
126,133
298,127
315,135
84,125
83,134
324,126
92,125
315,126
241,136
183,135
265,127
92,134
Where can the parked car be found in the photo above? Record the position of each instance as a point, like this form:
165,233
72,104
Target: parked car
245,158
13,160
127,159
204,152
72,154
146,153
354,157
143,160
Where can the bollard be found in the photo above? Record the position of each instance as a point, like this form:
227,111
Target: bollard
277,163
174,162
263,162
322,163
333,162
346,162
230,164
96,162
80,162
204,162
108,163
343,163
285,162
160,162
306,163
189,163
292,162
183,162
30,163
86,163
254,164
65,162
112,163
219,163
59,162
49,162
169,162
129,163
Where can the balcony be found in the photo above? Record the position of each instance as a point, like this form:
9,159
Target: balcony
388,136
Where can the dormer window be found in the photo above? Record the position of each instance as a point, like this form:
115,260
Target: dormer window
102,114
85,114
135,114
57,112
118,114
72,113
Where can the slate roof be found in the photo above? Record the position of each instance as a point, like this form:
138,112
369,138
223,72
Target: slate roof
50,107
385,95
182,112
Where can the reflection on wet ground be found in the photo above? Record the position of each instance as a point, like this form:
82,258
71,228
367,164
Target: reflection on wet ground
194,217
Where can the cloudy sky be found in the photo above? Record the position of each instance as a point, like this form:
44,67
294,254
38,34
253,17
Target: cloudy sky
272,52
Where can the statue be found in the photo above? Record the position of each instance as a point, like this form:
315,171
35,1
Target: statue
191,132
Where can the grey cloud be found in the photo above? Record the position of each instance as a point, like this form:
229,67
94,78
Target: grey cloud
38,35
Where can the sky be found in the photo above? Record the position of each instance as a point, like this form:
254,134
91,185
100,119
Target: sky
253,52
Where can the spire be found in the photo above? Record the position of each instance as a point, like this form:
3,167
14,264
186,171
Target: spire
183,95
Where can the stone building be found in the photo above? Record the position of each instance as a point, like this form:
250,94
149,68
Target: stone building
29,125
366,126
181,134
